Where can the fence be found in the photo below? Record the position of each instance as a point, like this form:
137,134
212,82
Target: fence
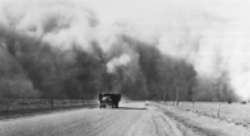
11,105
233,113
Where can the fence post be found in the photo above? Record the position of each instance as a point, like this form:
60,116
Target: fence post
51,101
8,106
218,110
193,106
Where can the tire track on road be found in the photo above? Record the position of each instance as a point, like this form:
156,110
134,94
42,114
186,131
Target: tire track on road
188,127
119,123
155,120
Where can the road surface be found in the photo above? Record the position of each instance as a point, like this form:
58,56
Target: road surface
134,119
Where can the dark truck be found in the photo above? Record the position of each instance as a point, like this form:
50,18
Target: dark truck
109,99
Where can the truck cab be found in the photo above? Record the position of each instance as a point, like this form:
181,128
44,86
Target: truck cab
109,100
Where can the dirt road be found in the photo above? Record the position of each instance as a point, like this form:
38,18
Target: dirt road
133,119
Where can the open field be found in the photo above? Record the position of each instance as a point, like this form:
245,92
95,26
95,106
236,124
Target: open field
10,108
132,119
233,113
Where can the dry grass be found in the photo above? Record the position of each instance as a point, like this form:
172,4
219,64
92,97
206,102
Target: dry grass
234,113
19,106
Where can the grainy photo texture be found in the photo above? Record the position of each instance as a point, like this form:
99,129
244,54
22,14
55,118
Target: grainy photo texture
124,68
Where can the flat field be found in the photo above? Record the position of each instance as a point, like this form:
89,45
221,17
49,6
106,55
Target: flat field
236,113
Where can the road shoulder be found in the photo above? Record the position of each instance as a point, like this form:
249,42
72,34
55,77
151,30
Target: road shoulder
205,125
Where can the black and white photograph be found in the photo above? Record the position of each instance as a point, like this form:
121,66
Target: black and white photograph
124,67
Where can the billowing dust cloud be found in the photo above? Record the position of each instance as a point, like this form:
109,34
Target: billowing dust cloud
211,35
60,23
123,60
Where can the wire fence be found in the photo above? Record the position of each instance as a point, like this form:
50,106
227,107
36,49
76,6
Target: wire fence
22,104
237,113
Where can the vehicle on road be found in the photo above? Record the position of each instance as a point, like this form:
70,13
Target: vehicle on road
109,100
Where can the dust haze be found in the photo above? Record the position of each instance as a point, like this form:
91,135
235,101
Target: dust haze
198,48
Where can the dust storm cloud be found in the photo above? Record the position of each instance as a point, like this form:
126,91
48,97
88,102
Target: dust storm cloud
206,38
